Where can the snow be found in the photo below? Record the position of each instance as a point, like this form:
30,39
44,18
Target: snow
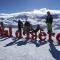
19,49
14,49
24,52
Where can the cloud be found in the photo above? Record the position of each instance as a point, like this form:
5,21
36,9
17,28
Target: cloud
35,11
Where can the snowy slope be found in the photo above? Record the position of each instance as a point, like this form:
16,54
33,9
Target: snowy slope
19,49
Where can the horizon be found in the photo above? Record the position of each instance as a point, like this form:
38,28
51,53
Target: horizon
41,9
13,6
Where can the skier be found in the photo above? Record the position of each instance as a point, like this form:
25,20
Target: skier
20,25
49,20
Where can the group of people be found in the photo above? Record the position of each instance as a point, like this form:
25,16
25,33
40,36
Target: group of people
27,26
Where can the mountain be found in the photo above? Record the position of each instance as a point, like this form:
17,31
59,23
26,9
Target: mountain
35,15
20,49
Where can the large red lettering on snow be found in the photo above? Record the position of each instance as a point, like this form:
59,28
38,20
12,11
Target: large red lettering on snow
34,36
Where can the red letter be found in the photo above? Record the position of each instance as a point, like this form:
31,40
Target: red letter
34,36
5,33
28,36
50,36
58,38
18,34
1,31
42,36
10,31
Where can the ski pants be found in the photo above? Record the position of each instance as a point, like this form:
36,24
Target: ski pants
49,27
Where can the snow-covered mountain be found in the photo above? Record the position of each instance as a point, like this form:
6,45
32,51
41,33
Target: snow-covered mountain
18,49
35,15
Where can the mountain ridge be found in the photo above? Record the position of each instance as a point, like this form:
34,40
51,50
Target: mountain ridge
42,11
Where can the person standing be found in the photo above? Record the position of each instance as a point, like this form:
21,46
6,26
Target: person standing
49,20
27,27
20,25
1,23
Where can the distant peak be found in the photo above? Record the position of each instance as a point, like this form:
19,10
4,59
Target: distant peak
42,11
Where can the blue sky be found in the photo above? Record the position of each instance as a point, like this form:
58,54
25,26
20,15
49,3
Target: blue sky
11,6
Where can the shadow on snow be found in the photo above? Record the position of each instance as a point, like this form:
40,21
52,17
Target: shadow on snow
55,53
24,42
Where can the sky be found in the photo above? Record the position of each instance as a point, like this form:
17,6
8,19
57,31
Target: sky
12,6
